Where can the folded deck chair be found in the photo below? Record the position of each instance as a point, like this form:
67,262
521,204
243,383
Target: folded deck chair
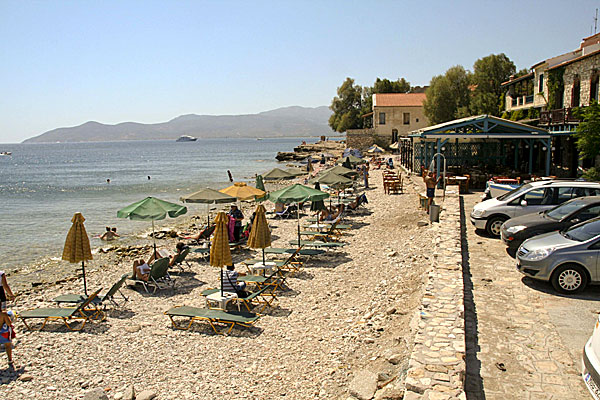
82,313
159,277
213,317
100,300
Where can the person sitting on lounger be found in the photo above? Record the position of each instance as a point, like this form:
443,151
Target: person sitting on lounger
331,216
141,270
358,201
230,281
204,234
162,253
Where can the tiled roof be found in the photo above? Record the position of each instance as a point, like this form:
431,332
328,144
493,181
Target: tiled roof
398,99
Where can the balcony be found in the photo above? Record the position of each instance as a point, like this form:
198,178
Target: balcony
520,101
560,116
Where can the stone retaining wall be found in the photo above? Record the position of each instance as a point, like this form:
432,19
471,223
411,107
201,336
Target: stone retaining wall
437,364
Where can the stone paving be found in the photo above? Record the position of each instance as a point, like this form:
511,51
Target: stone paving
513,349
437,364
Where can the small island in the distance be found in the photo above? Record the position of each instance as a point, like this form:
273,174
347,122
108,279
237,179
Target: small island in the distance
281,122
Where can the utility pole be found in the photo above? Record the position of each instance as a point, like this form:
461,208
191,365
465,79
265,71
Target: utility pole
596,21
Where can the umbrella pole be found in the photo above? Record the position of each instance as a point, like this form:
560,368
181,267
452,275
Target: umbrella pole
298,218
154,239
84,283
221,281
264,263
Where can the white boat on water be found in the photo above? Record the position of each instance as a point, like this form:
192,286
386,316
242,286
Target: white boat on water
6,153
186,138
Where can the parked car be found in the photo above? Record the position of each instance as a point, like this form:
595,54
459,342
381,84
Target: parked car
526,199
590,371
516,230
568,259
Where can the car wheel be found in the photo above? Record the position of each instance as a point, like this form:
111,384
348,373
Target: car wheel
569,278
493,226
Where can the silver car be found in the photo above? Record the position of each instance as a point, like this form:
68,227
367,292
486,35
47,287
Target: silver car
568,259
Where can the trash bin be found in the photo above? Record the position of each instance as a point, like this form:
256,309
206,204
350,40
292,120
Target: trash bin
434,213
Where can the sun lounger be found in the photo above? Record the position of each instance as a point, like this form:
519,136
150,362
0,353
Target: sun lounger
331,233
213,317
100,300
318,244
202,251
82,313
275,280
159,277
180,259
302,252
289,212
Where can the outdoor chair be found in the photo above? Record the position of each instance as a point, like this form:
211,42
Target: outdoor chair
84,312
332,233
180,259
264,297
214,318
318,244
289,212
159,277
98,300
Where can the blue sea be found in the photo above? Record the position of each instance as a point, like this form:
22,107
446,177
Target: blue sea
43,185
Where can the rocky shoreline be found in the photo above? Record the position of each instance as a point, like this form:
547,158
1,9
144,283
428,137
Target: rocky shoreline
303,151
345,324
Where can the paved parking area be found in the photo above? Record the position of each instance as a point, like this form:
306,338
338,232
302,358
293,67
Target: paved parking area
524,340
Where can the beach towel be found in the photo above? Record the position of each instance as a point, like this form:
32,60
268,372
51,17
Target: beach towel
231,228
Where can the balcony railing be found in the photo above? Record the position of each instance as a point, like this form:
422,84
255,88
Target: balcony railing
558,117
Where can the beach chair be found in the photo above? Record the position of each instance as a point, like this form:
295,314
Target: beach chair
264,297
276,280
332,232
180,259
159,277
98,300
289,212
82,313
317,244
214,318
294,251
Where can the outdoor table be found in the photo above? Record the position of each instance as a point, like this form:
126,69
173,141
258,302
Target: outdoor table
260,268
221,300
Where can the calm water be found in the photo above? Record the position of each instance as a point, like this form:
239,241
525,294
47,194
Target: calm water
43,185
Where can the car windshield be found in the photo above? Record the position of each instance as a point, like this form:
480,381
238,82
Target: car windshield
516,191
583,232
561,211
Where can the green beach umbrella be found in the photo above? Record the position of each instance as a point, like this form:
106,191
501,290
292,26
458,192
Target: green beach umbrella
151,209
340,170
260,183
332,179
208,196
277,174
296,193
295,171
353,160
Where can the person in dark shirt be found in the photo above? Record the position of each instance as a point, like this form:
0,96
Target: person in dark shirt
238,216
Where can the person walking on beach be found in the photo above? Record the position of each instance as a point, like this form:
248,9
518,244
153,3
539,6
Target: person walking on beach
236,214
430,183
5,292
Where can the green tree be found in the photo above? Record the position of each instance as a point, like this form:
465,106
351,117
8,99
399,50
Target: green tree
387,86
488,73
448,96
347,107
588,132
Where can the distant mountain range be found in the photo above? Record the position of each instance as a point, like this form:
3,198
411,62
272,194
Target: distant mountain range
286,121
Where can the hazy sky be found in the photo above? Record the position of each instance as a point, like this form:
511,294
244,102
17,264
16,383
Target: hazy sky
63,63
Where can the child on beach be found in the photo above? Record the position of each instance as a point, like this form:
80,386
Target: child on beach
5,292
7,334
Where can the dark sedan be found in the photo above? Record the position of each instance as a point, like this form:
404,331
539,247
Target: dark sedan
516,230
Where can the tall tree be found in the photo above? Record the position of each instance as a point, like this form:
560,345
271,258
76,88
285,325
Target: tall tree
346,107
387,86
588,132
448,96
488,73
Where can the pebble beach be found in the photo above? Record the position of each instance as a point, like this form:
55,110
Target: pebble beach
349,311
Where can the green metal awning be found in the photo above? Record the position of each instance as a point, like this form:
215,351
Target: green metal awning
481,127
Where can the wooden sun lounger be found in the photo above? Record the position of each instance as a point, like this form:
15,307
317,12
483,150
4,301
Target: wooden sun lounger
214,317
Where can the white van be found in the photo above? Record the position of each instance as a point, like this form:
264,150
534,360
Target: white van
529,198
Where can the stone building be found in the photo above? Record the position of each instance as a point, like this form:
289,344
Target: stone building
550,96
394,115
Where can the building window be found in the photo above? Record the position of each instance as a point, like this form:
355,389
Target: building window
381,118
575,93
541,84
406,118
594,87
416,119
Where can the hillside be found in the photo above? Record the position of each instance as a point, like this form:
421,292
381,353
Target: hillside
287,121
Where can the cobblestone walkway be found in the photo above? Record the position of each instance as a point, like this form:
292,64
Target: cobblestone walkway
520,352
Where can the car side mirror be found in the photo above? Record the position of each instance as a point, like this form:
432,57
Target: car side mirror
523,203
